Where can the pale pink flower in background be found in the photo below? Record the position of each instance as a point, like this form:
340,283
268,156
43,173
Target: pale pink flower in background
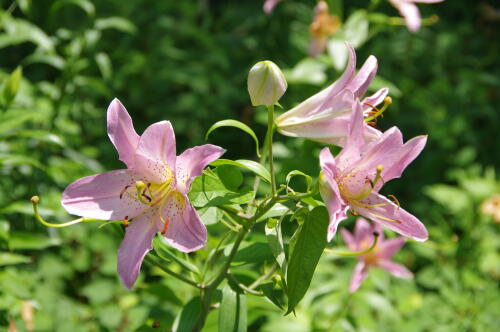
324,117
409,11
269,5
353,178
150,193
323,26
380,256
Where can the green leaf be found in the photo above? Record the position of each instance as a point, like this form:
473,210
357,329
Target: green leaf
86,5
271,293
104,64
4,234
307,71
275,241
14,118
210,215
31,241
250,165
355,29
293,173
8,258
277,210
11,86
18,31
305,252
208,190
256,252
230,176
232,311
116,23
162,249
338,52
188,316
236,124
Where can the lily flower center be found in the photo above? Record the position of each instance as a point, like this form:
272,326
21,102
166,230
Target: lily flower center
157,195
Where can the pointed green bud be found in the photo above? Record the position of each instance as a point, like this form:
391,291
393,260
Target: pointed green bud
266,83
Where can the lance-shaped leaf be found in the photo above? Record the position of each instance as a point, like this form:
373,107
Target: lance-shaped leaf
233,311
187,318
249,165
236,124
305,251
275,241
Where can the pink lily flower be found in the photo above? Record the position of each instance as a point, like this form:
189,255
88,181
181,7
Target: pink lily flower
324,117
150,192
380,256
409,11
353,178
269,6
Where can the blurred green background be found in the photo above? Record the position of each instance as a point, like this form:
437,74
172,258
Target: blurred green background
187,62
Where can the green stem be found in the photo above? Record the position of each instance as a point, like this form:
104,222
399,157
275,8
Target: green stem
269,138
153,260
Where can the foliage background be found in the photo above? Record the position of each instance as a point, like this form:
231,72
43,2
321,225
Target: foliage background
187,62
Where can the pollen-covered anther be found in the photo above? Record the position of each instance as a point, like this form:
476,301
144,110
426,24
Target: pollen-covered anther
126,221
165,225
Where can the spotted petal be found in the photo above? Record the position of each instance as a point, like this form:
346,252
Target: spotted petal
155,155
185,231
103,196
135,245
191,163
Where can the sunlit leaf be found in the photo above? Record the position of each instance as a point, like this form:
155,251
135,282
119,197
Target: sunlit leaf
232,311
11,86
116,23
236,124
305,252
246,164
8,258
188,316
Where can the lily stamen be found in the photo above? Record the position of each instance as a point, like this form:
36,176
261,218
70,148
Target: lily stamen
395,200
378,112
165,225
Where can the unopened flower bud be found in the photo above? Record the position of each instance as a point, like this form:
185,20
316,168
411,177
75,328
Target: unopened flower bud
266,83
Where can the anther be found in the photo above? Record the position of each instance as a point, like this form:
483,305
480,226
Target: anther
165,225
378,112
376,234
353,212
395,200
125,221
123,191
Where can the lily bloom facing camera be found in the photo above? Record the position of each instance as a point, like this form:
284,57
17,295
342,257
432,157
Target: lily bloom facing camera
379,256
353,178
150,194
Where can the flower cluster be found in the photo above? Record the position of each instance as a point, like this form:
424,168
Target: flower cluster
149,196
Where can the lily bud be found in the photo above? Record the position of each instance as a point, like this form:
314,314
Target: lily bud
266,83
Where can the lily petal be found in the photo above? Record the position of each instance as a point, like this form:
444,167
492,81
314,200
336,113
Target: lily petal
355,140
379,209
363,233
103,196
185,232
121,132
411,14
406,155
388,248
330,193
395,269
360,82
191,163
348,239
155,155
359,275
135,245
375,99
323,99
